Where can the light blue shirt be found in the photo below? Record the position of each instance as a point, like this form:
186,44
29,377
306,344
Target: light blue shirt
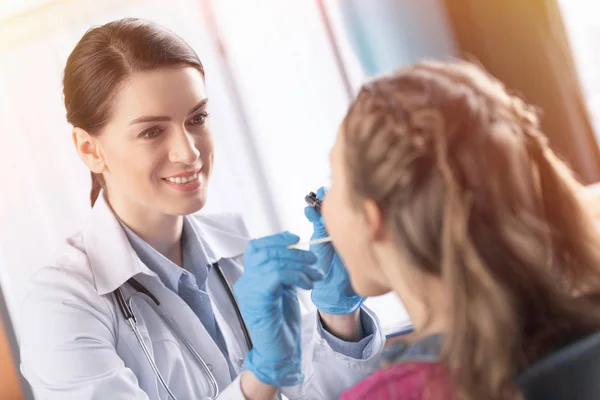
189,283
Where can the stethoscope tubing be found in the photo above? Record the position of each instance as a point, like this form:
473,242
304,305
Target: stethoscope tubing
145,294
129,315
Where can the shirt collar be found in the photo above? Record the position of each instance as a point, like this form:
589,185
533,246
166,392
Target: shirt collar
193,254
168,272
195,257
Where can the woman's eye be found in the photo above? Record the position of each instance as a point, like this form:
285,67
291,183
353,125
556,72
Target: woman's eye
199,119
150,133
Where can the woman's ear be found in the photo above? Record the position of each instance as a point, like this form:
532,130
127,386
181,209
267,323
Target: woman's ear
88,150
374,220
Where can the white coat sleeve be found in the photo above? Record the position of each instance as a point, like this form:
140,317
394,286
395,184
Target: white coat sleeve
328,373
68,342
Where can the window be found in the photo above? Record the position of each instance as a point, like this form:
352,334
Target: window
583,30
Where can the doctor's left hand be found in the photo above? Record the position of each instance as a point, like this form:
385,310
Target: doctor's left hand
268,301
334,294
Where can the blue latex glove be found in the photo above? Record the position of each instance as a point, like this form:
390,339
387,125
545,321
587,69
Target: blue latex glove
333,294
267,297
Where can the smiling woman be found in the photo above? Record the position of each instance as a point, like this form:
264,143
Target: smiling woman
131,161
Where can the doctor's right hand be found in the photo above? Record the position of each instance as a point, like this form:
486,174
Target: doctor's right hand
267,297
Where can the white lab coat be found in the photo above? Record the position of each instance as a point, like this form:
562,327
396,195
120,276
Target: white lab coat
76,345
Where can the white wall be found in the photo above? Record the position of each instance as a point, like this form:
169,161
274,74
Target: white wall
294,94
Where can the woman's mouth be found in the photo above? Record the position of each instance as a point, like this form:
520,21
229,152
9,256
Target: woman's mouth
179,179
184,182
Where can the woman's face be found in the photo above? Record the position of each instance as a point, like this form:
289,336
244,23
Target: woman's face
349,230
157,148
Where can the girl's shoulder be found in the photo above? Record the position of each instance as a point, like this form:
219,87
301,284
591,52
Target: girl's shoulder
406,380
409,371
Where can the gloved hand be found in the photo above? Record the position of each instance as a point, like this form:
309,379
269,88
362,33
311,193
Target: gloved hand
267,297
333,294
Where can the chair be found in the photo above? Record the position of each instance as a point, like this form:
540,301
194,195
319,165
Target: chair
571,373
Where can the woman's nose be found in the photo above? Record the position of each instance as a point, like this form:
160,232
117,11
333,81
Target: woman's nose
183,148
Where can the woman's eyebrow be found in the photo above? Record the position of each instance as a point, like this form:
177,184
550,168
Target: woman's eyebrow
150,118
198,106
157,118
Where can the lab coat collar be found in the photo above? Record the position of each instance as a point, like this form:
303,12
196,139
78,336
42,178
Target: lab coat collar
222,235
113,261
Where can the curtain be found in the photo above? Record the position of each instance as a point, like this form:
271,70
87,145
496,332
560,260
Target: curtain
525,45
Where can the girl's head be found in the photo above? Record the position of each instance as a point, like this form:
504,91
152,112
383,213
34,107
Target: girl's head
134,93
455,199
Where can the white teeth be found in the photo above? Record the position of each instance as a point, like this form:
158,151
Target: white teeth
181,180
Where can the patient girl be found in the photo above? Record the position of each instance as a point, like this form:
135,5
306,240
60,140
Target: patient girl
459,206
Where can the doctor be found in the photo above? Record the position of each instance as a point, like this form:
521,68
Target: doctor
139,304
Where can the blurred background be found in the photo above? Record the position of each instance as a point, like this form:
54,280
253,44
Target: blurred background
280,75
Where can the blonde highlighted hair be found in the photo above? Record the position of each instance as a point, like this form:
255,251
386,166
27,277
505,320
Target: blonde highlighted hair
473,195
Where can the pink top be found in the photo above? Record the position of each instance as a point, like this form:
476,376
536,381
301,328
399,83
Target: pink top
404,381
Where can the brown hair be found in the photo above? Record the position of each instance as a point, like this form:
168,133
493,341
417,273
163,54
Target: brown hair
104,58
473,195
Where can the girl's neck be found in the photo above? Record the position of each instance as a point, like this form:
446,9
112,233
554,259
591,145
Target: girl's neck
423,296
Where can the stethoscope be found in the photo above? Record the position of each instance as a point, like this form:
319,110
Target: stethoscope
127,311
